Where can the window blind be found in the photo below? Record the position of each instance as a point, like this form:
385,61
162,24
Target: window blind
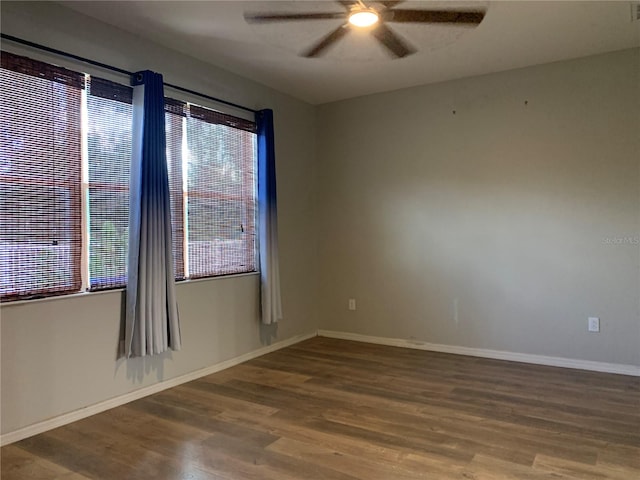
175,112
40,178
220,193
109,113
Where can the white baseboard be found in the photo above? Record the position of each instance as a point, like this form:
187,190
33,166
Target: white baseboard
85,412
618,368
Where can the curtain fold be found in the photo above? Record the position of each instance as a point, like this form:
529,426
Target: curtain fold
271,303
152,324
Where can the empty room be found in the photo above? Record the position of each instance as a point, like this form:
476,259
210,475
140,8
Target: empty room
320,240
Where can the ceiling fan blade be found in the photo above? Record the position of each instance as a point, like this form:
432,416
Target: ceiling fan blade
432,16
393,42
390,4
283,17
327,41
347,4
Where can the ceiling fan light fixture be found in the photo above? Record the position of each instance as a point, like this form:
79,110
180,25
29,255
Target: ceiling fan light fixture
363,18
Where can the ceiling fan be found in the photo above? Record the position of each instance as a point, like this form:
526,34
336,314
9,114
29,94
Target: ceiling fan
372,16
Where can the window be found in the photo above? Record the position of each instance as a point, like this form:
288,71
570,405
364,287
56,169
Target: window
220,193
40,178
175,111
64,175
109,117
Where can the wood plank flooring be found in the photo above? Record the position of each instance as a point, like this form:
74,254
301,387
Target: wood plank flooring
334,409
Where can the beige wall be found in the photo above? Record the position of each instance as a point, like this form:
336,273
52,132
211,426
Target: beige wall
487,228
59,355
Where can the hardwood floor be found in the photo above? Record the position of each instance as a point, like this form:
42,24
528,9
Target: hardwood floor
334,409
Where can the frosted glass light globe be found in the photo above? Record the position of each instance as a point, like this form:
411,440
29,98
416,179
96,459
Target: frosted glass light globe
363,18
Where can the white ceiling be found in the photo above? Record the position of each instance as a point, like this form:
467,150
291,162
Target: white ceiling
513,34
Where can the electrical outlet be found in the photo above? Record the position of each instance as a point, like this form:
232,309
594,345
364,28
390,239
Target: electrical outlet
594,324
352,304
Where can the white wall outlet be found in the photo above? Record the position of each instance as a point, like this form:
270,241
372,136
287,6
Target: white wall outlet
352,304
594,324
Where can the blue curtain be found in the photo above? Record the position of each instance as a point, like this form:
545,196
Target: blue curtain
152,325
271,303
